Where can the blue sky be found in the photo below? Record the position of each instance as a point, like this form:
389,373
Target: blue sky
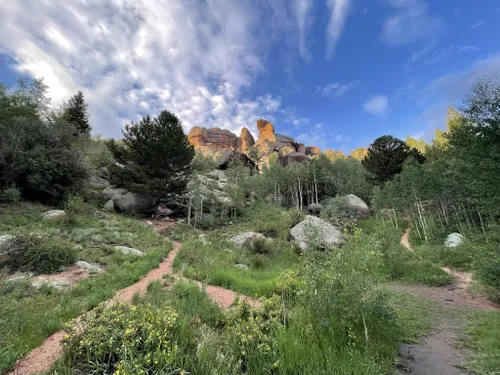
332,73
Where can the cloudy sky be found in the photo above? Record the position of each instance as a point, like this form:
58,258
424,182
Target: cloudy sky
332,73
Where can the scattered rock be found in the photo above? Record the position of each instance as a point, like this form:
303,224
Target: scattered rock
245,238
88,267
358,206
454,240
162,211
129,250
313,231
109,206
17,276
54,214
8,243
315,208
241,266
112,192
96,182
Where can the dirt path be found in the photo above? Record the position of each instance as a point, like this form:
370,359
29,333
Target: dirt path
438,353
44,356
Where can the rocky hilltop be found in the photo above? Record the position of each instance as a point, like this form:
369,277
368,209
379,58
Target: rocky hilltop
216,140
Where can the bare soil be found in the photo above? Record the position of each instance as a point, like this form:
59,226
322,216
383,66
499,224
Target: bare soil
44,356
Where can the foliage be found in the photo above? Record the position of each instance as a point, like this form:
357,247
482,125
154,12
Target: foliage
97,153
337,211
484,330
385,158
39,154
75,111
10,195
154,156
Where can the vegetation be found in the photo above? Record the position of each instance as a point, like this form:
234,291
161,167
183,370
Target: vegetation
154,156
76,112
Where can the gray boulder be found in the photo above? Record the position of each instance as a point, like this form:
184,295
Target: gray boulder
129,250
315,208
88,267
104,173
245,238
454,240
112,192
315,232
129,201
8,243
54,215
96,182
357,206
109,206
241,266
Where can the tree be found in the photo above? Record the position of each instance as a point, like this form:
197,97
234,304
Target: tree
154,156
385,158
76,112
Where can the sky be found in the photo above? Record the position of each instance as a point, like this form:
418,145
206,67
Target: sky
331,73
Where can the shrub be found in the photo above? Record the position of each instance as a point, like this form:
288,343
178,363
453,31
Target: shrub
336,211
127,339
11,195
42,254
76,205
487,269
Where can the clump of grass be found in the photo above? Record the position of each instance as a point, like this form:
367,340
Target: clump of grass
484,330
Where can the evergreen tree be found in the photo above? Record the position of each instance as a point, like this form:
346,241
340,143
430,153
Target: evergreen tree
154,156
76,112
385,158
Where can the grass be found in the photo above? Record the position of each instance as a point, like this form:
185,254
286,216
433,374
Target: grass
28,315
484,332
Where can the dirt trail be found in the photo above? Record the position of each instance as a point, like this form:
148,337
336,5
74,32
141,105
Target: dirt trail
44,356
438,352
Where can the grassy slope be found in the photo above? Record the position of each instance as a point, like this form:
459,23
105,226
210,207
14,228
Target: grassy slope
28,316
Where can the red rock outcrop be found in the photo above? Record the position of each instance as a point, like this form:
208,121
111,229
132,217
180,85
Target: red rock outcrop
246,141
204,139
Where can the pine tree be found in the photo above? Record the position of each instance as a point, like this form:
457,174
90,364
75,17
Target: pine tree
385,158
154,156
76,113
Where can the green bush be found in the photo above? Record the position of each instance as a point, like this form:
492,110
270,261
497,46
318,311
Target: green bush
337,212
11,195
76,205
42,254
487,269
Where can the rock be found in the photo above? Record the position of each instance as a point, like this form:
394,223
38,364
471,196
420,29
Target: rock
241,266
204,139
454,240
246,141
134,203
312,150
313,231
315,208
266,131
113,192
88,267
246,238
104,173
234,155
96,182
109,206
54,215
162,211
357,206
129,250
91,195
8,243
292,158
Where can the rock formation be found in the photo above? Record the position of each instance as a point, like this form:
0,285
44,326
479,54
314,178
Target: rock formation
246,141
204,139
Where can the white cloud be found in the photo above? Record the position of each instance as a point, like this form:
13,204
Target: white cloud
194,58
478,24
304,20
410,23
467,49
335,89
377,105
339,10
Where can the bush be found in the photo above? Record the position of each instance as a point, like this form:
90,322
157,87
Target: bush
127,339
76,205
337,212
42,254
11,195
487,268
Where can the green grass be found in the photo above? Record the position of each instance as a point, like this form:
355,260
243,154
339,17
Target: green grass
484,332
27,315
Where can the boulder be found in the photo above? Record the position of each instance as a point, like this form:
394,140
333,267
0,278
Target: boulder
245,238
91,195
88,267
8,243
129,250
96,182
266,131
315,208
241,266
313,231
112,192
109,206
134,203
454,240
292,158
204,139
162,211
312,150
357,206
234,155
104,173
54,215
